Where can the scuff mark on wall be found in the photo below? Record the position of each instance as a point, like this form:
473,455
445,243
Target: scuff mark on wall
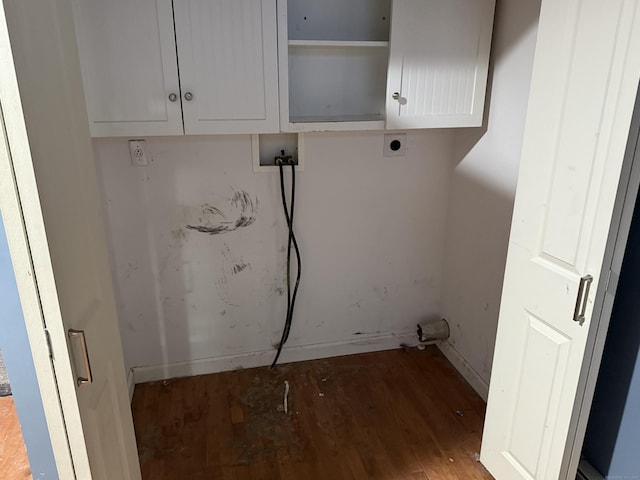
222,284
214,221
130,269
178,235
239,267
356,304
235,276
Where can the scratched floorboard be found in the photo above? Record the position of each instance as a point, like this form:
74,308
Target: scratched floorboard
391,415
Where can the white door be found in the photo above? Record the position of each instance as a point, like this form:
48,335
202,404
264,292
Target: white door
438,63
583,88
50,156
228,58
129,67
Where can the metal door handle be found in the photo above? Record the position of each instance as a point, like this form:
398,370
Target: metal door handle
581,301
188,96
88,380
396,95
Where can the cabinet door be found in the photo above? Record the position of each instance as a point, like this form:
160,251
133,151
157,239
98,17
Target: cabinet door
439,57
129,69
228,58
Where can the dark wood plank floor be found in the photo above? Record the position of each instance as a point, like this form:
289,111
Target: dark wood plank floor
14,464
391,415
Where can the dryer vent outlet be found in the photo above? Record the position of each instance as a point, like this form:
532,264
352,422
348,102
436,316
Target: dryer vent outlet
433,330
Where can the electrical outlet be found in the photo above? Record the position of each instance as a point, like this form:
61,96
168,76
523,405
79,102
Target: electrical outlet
138,150
395,144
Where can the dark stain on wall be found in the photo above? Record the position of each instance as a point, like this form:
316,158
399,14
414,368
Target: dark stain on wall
238,267
214,221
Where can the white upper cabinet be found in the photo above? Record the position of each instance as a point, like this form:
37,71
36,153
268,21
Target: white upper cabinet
226,55
228,65
371,64
438,63
163,67
129,69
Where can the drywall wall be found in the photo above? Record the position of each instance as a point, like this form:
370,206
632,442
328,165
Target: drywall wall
198,247
481,196
22,374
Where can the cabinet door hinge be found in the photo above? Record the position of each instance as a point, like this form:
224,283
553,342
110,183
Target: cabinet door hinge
48,335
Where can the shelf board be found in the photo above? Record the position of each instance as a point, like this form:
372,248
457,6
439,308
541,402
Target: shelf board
334,125
337,43
342,118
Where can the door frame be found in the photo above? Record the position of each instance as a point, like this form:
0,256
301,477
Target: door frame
628,189
19,249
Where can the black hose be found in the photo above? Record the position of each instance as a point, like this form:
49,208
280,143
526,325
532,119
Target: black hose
291,298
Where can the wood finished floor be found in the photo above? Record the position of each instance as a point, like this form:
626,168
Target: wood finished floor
14,464
391,415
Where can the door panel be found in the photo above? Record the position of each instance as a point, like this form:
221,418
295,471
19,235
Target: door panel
538,359
106,434
52,159
229,64
582,94
545,350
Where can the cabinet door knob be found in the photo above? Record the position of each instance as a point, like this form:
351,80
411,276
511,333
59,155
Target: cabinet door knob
173,97
396,95
188,96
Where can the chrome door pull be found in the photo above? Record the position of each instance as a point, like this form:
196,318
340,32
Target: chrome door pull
581,301
88,380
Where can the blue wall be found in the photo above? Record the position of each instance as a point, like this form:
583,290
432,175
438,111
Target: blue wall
612,443
22,375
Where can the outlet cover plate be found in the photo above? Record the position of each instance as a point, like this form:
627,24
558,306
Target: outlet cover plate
139,154
395,144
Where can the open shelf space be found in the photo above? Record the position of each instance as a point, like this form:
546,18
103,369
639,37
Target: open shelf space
329,84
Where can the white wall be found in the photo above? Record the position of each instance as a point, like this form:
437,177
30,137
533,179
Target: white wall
482,194
371,230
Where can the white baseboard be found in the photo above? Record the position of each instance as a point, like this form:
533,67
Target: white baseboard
131,385
362,344
465,369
